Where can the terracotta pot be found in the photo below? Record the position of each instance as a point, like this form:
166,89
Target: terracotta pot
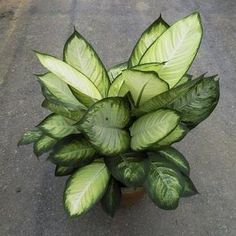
131,195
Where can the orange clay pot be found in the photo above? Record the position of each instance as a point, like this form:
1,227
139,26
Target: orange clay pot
131,195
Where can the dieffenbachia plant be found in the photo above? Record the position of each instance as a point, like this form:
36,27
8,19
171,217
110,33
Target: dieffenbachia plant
114,129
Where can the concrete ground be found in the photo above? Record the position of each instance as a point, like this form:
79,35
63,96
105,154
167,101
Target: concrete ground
30,196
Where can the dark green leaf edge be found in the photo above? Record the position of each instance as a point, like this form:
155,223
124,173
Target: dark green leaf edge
76,33
198,15
145,31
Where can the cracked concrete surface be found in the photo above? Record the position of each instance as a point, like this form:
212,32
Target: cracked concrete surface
30,196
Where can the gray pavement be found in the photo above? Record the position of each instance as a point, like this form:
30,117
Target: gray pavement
30,196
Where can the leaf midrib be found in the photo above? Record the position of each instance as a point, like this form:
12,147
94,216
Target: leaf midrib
81,193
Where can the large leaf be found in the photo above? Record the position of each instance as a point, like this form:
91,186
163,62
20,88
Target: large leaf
118,87
72,151
189,187
85,188
198,103
112,197
60,109
116,70
176,158
147,38
59,89
143,85
104,125
164,183
166,98
177,47
58,126
130,168
174,136
70,75
80,54
30,136
44,144
64,170
152,127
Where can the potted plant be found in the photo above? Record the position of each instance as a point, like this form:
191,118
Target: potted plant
113,131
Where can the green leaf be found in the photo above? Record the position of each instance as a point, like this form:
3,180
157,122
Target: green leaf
57,126
164,184
143,85
70,75
59,89
166,98
130,168
112,197
189,188
50,97
72,113
177,47
176,158
118,87
30,136
198,103
44,144
175,136
64,170
80,54
152,127
116,70
85,188
104,125
72,151
149,36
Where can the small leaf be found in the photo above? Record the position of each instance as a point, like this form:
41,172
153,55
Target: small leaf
148,67
143,85
116,70
58,126
64,170
176,158
30,137
149,36
44,144
164,183
83,98
177,47
198,103
85,188
186,78
72,151
112,197
175,136
59,89
166,98
151,128
70,75
189,188
118,87
130,168
104,125
72,113
80,54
